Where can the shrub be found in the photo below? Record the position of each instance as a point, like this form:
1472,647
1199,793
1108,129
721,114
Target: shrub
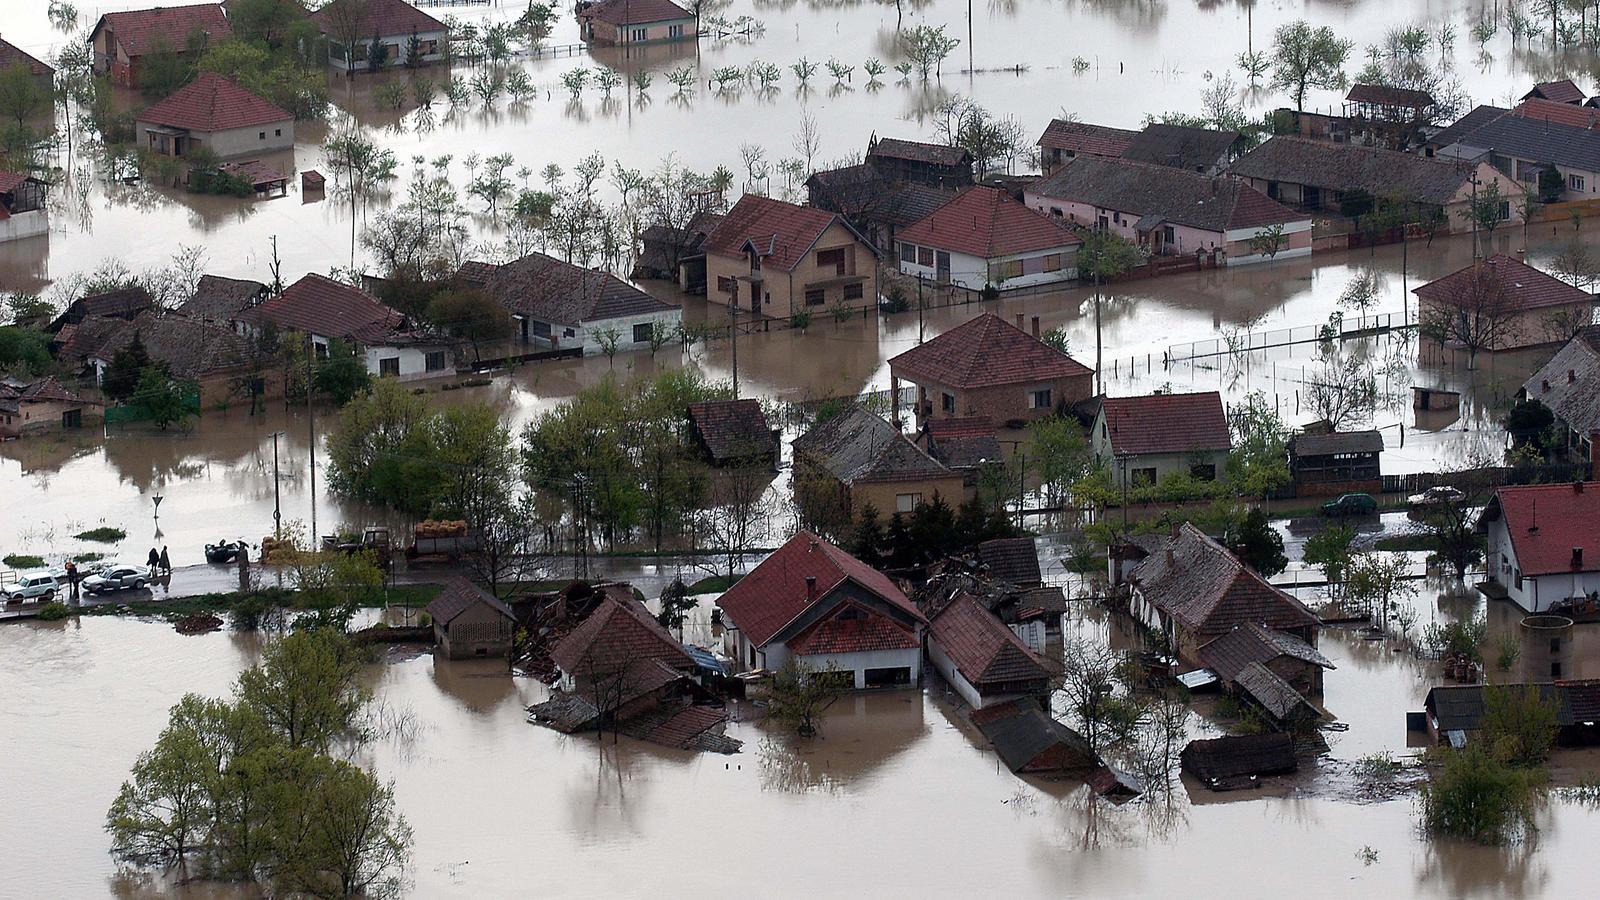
1477,797
54,611
104,535
801,320
24,561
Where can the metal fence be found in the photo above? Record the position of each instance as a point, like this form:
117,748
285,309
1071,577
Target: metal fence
123,415
1251,341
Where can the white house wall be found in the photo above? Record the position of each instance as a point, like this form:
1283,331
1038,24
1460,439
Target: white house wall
24,225
1240,238
413,361
667,319
1535,594
972,272
947,667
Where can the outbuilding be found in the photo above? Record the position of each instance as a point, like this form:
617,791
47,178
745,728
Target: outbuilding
984,240
1334,463
470,622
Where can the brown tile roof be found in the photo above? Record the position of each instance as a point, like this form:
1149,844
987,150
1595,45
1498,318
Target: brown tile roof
733,429
10,181
857,447
919,151
457,595
11,54
618,632
1562,91
212,103
985,222
1166,423
386,18
1346,167
1570,382
220,299
1248,643
1208,591
319,305
635,12
775,592
123,303
190,348
1021,733
983,649
1181,146
42,390
1176,195
1303,445
963,442
984,352
1385,95
782,233
143,31
1508,282
1081,137
1012,560
835,635
80,341
1276,696
1548,522
549,289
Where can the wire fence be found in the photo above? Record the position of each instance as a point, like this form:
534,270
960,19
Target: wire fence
1238,342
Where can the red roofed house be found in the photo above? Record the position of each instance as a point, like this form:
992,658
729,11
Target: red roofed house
11,55
121,40
22,208
1500,303
636,22
38,405
820,607
354,27
991,368
981,658
1543,543
215,114
1063,140
983,238
777,259
325,310
1145,439
1562,91
620,633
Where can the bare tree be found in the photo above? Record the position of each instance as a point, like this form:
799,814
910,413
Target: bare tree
1342,392
1094,694
808,141
734,519
347,28
1473,312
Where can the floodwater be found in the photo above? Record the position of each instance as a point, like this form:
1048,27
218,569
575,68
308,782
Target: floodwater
895,793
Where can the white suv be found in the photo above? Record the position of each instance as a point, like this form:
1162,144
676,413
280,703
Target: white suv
36,586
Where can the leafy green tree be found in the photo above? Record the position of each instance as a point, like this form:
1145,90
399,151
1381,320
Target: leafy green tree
1103,256
1306,57
380,450
162,397
1477,797
470,315
342,374
306,689
800,695
1551,184
1258,544
1062,456
1519,723
676,604
127,367
23,351
1488,209
472,461
21,95
1258,464
1330,548
336,832
163,812
377,53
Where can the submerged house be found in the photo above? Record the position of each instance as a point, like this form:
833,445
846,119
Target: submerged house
11,55
219,299
120,41
1543,544
855,459
22,207
987,367
1454,712
220,361
774,258
1334,463
821,608
214,114
982,659
1147,438
1569,384
619,639
982,239
39,405
877,207
1500,303
1236,761
734,432
325,310
470,622
636,22
1233,656
965,444
1030,742
355,28
556,304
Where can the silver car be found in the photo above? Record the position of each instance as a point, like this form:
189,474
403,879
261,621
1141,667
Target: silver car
38,587
116,578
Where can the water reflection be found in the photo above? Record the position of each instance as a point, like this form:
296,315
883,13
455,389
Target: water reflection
861,733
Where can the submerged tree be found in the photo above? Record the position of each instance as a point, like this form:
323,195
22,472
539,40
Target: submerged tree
1305,57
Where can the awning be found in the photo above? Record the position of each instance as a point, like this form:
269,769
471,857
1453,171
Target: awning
1149,223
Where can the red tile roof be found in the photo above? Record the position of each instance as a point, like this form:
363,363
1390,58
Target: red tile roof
960,427
858,634
984,352
635,12
1563,91
987,223
1208,591
319,305
143,31
10,181
1166,423
1515,284
386,18
1548,521
11,54
775,592
983,649
1558,113
1081,137
212,103
781,232
619,631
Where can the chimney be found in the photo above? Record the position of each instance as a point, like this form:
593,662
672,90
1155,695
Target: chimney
1544,386
1019,321
1577,487
1572,375
1172,560
1035,326
813,547
1577,557
1176,530
811,588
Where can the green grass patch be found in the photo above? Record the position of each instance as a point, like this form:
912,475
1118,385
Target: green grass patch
102,535
1397,542
715,584
24,561
88,557
54,612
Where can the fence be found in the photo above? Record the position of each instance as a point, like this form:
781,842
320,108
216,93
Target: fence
1549,473
1249,341
123,415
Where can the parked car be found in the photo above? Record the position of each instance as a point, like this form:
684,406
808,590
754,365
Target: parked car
116,578
1439,495
39,587
1353,504
223,551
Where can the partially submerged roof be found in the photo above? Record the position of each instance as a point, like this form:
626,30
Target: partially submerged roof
1459,707
1347,167
919,151
776,591
1238,756
1251,642
212,103
983,649
1554,528
385,18
553,290
985,351
220,299
1503,282
11,54
1177,196
1208,591
1012,560
1081,137
1166,423
1021,732
144,31
1276,696
1569,384
1181,146
635,12
782,234
1387,95
1336,443
856,446
618,632
40,390
985,222
457,595
733,429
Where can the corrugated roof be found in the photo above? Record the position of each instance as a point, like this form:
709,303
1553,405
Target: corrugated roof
212,103
985,222
1176,195
1081,137
144,31
1166,423
1547,522
982,648
986,351
1275,695
856,446
1347,167
220,299
1238,756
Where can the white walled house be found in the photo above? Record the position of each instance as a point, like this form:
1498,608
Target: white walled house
1543,544
983,238
364,24
22,207
982,659
822,608
558,305
1145,439
214,114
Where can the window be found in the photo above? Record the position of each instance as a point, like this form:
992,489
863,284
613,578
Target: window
643,332
947,401
1555,669
815,296
1203,472
434,361
853,291
639,34
1052,262
1102,223
1039,399
726,285
674,31
925,256
1505,210
1143,477
262,136
277,132
889,677
320,350
389,366
569,333
908,253
831,259
1012,268
1168,235
427,48
1055,211
539,329
1555,645
1527,171
907,502
851,613
1574,182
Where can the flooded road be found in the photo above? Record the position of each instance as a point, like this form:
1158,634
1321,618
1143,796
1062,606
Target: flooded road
894,791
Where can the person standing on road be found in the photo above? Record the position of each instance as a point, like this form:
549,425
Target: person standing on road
154,562
166,561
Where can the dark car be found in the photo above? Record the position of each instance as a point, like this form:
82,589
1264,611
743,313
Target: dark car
1355,504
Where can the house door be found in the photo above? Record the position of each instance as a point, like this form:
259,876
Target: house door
755,297
941,262
72,418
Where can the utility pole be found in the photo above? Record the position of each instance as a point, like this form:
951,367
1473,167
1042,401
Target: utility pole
733,334
311,430
919,307
277,499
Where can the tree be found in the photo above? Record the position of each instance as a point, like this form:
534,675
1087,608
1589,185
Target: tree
1062,456
1472,310
1330,549
341,374
926,46
1258,464
162,397
509,544
338,834
1487,209
1377,584
306,689
1103,256
1258,544
676,604
1094,694
380,449
1519,723
163,812
23,351
733,522
1342,393
470,455
799,695
963,123
1477,797
21,96
1268,241
867,544
1306,57
470,315
127,367
1529,423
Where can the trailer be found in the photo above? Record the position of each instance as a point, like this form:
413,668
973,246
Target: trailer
441,543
